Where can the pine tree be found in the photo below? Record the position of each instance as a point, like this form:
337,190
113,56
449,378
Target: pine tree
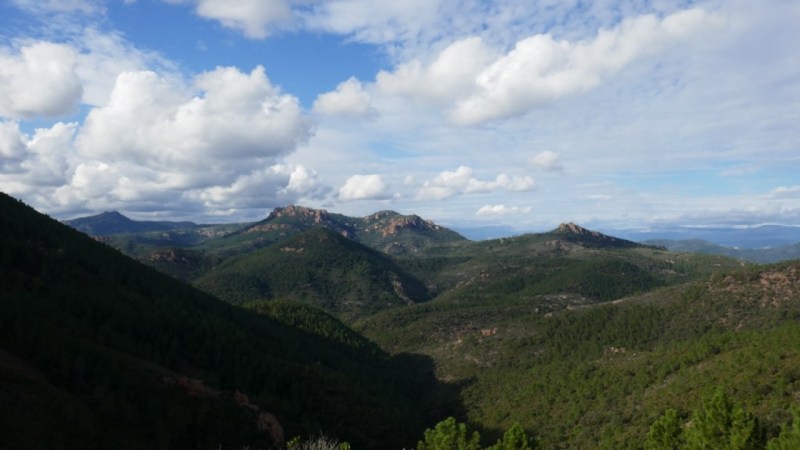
666,433
789,439
449,435
514,438
722,425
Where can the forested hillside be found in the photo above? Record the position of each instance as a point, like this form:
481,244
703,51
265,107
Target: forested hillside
318,266
568,339
99,351
599,375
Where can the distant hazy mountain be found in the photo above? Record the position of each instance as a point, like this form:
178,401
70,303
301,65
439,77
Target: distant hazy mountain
756,237
487,232
759,255
113,222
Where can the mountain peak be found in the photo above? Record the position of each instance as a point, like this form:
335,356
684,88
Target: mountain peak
382,215
573,228
585,237
318,215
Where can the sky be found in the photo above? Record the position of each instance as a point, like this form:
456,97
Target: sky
614,114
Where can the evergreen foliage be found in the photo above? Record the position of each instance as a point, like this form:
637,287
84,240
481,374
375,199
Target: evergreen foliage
318,267
450,435
789,438
666,433
514,438
97,346
722,424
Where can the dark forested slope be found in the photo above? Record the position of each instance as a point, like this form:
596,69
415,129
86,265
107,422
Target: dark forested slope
99,351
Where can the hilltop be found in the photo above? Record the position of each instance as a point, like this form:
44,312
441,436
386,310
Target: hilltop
386,231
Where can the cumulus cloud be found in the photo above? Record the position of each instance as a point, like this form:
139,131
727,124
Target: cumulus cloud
304,183
260,189
462,181
214,146
29,163
102,56
38,80
12,144
477,84
348,100
501,210
449,75
540,69
236,117
363,187
547,160
256,19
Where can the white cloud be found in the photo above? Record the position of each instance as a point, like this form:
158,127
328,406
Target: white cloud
363,187
304,183
448,76
236,118
785,192
103,56
375,22
475,83
462,181
32,163
213,146
259,189
501,210
38,80
540,69
348,100
12,144
547,160
255,18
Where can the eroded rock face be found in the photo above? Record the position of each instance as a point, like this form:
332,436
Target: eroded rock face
316,215
392,226
577,229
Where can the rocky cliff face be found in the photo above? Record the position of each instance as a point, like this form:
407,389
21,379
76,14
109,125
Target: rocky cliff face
387,231
308,214
388,223
577,229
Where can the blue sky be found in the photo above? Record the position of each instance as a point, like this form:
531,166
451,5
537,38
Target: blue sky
523,113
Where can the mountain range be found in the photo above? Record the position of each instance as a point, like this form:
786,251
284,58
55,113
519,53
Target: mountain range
371,329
